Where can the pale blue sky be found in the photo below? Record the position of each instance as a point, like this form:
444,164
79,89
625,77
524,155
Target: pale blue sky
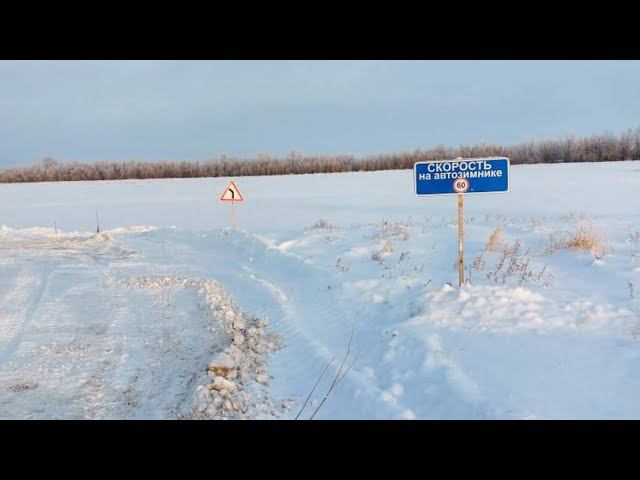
136,110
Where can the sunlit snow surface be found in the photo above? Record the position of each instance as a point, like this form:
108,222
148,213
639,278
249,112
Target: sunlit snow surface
563,341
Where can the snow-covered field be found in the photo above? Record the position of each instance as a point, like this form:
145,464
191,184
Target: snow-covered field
125,323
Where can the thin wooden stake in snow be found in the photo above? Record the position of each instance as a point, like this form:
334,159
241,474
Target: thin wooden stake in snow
97,223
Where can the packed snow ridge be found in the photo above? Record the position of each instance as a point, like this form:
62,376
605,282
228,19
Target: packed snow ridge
238,373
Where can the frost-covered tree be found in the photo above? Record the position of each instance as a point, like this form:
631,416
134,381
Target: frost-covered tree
597,148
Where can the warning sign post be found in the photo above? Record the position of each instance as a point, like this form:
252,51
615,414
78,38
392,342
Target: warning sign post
459,177
232,194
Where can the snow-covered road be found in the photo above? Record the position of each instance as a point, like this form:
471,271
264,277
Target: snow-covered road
123,324
90,329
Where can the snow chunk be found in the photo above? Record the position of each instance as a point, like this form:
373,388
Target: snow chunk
223,385
238,368
221,365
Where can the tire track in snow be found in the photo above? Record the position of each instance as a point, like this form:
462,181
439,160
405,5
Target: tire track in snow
302,303
18,306
316,326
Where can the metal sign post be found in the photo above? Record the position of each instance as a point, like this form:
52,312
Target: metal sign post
460,177
234,222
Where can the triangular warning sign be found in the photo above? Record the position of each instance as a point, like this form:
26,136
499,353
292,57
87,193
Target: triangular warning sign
231,193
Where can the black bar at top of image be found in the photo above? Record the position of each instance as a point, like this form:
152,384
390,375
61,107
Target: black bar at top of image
468,35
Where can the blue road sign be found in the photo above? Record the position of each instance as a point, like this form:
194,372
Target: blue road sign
470,175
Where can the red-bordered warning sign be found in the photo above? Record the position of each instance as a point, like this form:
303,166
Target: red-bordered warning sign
461,185
231,193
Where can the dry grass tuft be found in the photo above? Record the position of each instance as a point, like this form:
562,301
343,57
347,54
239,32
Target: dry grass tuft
495,240
376,256
511,262
322,224
634,241
387,229
584,237
341,267
478,262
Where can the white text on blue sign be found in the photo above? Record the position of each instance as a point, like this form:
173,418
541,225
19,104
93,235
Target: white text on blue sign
484,175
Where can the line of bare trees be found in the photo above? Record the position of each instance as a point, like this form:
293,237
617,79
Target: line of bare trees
597,148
